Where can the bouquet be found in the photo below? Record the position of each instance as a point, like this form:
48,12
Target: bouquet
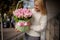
22,19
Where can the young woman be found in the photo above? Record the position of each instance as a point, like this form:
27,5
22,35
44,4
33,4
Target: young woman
38,20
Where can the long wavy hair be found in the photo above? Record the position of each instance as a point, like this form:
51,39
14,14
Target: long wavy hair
42,6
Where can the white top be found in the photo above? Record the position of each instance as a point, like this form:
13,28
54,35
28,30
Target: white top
38,24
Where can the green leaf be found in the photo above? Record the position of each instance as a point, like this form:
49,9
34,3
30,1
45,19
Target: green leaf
16,19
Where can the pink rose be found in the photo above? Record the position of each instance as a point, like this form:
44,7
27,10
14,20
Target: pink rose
25,24
30,14
22,13
21,24
18,24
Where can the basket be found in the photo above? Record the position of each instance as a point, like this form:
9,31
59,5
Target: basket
21,28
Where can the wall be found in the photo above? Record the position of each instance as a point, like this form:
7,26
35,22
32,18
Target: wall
53,9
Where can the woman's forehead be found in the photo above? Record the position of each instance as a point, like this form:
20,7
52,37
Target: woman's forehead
36,3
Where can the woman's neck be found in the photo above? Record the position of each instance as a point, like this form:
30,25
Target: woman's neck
37,10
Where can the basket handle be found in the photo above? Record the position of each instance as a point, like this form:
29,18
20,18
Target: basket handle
18,4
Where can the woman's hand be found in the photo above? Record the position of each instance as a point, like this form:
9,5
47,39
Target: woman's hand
17,30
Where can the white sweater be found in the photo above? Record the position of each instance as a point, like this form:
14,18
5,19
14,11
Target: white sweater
38,24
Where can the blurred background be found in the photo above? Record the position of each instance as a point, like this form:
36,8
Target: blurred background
7,31
8,6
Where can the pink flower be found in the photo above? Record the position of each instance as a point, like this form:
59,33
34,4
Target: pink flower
22,24
28,23
25,24
18,13
30,14
22,13
25,15
24,9
18,24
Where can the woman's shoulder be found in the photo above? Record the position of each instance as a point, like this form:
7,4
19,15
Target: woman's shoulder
44,16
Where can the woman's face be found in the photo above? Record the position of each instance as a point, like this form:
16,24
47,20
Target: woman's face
36,6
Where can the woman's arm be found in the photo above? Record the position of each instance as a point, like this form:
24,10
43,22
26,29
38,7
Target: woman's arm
42,26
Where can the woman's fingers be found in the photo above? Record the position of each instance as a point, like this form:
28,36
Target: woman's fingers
17,30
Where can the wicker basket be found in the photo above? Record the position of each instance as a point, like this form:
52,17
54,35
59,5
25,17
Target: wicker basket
21,29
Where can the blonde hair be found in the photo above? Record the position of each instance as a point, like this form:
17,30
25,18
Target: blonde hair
42,7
